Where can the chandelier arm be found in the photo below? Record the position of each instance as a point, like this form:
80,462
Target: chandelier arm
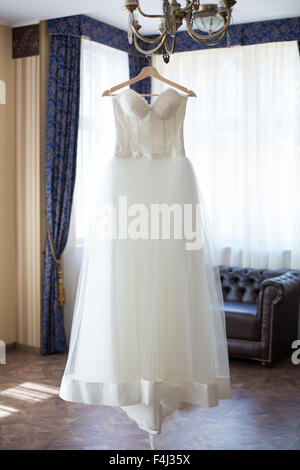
170,51
182,10
210,36
150,51
144,38
145,14
206,43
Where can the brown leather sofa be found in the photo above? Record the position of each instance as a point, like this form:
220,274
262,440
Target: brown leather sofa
261,311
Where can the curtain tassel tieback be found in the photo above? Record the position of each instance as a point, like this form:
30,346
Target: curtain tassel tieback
60,282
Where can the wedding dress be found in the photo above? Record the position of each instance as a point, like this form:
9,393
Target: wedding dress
148,330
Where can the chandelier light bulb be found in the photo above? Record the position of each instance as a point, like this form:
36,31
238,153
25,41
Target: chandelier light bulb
207,18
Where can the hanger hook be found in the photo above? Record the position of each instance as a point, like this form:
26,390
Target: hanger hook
149,59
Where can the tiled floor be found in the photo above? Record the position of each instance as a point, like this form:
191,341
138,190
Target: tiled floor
264,412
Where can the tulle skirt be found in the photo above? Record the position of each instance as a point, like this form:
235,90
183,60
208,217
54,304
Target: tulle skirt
148,331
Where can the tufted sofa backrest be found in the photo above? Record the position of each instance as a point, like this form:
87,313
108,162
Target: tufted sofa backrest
243,284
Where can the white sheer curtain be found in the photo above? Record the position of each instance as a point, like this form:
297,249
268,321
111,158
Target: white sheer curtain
242,135
101,67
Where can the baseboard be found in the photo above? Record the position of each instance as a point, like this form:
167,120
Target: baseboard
22,348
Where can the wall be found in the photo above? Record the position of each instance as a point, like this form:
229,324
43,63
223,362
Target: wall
8,301
22,205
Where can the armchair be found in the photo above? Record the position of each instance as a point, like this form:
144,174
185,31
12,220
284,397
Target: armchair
261,311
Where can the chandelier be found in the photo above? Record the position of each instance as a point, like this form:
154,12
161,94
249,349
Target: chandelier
212,20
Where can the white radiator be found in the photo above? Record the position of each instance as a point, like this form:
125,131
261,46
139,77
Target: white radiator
2,352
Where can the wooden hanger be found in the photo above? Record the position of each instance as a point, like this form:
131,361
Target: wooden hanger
148,71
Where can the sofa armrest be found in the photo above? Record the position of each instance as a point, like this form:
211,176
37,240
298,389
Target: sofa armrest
286,285
279,309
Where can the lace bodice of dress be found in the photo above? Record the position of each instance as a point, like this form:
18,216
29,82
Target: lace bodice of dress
151,131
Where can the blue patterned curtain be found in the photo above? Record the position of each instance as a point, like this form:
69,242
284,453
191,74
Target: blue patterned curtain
287,29
258,32
95,30
61,150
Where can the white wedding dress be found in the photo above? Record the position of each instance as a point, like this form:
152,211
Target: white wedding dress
148,330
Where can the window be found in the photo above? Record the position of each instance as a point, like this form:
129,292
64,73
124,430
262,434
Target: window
242,135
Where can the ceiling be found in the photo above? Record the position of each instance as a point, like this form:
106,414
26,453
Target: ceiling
15,13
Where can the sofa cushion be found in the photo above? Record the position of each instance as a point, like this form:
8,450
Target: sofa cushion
244,284
242,321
